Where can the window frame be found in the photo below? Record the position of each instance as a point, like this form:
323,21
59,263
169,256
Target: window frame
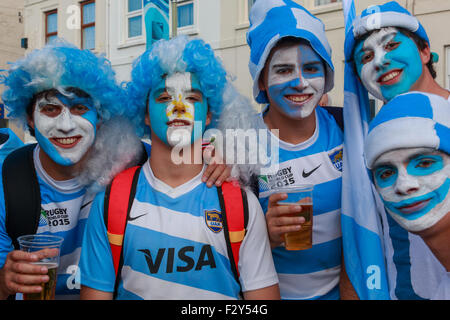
88,25
50,34
190,29
133,14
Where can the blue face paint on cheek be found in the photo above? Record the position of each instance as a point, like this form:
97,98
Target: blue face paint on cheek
157,113
50,149
406,57
200,110
357,57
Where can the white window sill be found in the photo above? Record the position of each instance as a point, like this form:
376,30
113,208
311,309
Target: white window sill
242,25
132,43
188,30
337,6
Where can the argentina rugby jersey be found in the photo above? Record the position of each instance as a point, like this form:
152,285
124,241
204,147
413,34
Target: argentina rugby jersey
312,273
64,211
174,246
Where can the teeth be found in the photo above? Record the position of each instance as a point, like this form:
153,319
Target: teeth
390,76
178,123
299,98
66,140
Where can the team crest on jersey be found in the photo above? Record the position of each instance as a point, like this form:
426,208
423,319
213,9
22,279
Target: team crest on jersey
336,158
213,219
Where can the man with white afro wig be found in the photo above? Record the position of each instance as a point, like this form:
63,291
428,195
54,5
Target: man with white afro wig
408,151
180,88
70,102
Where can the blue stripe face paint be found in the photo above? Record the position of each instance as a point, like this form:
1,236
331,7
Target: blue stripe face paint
174,105
295,80
388,63
414,184
65,126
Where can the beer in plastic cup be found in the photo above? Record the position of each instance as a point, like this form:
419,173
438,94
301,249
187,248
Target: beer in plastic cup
37,242
299,195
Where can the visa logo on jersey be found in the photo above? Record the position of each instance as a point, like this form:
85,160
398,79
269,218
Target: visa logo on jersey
186,259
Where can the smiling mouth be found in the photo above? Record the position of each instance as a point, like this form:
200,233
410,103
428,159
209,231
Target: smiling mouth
299,99
179,123
66,142
390,77
414,207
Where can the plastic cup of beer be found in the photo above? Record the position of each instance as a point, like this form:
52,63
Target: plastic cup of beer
38,242
299,195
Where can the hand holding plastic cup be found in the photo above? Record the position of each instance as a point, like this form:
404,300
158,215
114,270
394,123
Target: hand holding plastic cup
38,242
299,195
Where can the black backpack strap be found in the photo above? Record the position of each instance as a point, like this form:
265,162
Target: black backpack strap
22,194
337,113
3,138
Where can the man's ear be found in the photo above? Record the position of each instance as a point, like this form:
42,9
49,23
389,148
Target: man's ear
208,118
147,119
30,121
261,83
425,54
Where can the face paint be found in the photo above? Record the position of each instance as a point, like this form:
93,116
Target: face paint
174,105
65,126
388,63
414,185
296,80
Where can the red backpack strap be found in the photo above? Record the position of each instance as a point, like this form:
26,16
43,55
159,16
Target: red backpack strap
233,202
119,198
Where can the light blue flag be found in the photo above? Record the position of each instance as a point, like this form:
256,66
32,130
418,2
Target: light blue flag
361,221
156,17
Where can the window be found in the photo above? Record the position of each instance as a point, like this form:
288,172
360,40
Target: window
51,25
185,13
88,24
134,18
322,2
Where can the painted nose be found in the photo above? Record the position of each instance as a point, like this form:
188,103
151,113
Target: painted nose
300,82
179,108
65,121
381,61
406,184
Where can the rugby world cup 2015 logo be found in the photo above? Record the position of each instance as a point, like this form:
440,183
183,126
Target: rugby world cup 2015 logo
213,219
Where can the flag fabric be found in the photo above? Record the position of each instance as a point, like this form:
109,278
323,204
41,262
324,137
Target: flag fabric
361,206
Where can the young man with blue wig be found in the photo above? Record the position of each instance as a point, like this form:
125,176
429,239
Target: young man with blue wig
173,245
291,67
408,151
70,102
391,54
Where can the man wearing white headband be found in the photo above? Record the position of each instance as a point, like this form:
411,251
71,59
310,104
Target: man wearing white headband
408,151
290,63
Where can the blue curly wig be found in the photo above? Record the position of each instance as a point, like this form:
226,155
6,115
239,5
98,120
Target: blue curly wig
61,65
177,55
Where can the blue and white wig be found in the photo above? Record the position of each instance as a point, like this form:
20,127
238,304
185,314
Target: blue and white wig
272,20
390,14
229,108
60,65
410,120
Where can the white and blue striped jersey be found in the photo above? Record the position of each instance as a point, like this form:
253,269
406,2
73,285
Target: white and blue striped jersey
64,211
174,246
312,273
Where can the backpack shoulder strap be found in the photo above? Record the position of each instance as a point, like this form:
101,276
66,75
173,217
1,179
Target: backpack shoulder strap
119,196
234,206
337,113
22,193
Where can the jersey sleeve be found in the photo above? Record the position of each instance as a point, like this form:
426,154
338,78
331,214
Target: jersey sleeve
256,265
96,262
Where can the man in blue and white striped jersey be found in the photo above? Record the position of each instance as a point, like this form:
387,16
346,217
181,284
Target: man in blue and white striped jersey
290,62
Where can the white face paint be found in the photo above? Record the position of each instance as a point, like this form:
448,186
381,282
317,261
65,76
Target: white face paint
296,80
414,185
64,132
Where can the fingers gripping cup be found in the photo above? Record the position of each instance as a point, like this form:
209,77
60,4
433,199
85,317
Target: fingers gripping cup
40,242
303,196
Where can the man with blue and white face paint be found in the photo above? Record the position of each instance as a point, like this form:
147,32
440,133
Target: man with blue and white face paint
290,63
70,102
389,53
408,153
